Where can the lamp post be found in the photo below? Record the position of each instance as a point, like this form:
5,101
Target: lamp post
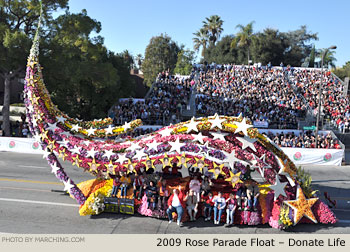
320,92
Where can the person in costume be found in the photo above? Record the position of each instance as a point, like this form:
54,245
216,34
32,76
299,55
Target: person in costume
208,206
176,204
253,193
231,203
219,206
192,204
195,186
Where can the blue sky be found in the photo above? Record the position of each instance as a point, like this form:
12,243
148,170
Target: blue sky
130,24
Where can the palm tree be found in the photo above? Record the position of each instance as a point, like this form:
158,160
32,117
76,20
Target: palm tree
244,37
213,25
139,60
329,59
201,40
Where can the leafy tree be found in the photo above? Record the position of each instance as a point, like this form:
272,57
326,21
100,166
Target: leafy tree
160,55
138,60
297,47
213,26
244,38
312,57
201,39
184,62
18,21
83,77
343,71
222,52
329,59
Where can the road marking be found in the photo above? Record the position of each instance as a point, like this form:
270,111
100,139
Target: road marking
39,202
30,181
24,189
31,166
344,221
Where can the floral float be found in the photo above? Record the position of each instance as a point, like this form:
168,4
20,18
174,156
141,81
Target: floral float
229,145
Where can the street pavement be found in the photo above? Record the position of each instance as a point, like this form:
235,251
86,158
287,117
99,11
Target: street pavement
32,201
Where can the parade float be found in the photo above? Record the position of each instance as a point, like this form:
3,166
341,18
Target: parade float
224,145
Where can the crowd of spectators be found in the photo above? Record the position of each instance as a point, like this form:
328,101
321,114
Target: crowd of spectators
305,139
335,105
168,97
261,94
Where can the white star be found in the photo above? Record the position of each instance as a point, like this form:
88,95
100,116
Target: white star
64,143
75,150
263,160
54,168
281,172
46,153
91,131
247,142
34,122
165,132
61,119
231,159
91,153
176,146
30,108
206,145
216,122
52,127
67,185
139,154
122,158
192,125
109,130
242,127
219,135
153,145
199,137
66,133
87,143
108,154
278,187
37,138
127,126
134,146
75,127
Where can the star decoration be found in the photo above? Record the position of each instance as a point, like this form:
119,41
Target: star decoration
130,167
109,130
64,143
139,154
278,187
153,145
216,122
108,154
37,138
242,127
192,125
66,133
219,135
247,142
183,160
133,147
54,168
200,163
76,150
165,132
176,146
46,153
282,172
75,127
63,154
87,143
111,167
302,206
165,160
234,178
67,185
76,160
61,119
93,165
127,126
91,131
231,159
122,158
205,146
148,163
199,137
217,170
91,153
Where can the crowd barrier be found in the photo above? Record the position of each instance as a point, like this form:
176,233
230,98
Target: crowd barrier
300,156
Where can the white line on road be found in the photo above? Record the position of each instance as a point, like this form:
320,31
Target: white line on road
31,166
40,202
344,221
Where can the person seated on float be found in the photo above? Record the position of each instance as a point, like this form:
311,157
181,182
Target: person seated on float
175,171
151,192
116,185
125,183
192,204
176,204
138,185
208,206
195,186
253,193
241,195
206,186
200,167
219,206
163,193
231,203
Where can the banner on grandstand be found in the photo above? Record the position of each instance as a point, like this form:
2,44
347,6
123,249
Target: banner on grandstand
305,156
261,124
18,144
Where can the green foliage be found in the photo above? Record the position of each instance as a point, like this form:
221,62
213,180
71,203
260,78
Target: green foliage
304,179
160,55
213,27
343,72
184,62
222,53
201,39
244,38
329,59
312,57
